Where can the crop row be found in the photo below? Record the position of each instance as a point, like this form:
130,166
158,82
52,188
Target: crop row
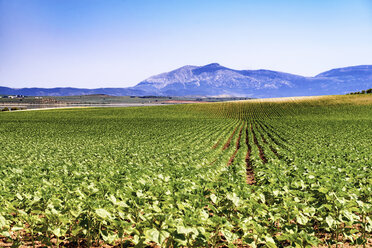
201,175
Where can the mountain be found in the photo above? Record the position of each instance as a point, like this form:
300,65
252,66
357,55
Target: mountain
217,80
69,91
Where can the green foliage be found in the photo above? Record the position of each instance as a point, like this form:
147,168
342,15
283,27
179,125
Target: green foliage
160,175
369,91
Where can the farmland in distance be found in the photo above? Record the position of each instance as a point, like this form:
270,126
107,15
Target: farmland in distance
276,172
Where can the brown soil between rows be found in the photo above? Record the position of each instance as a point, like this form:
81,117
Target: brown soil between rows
227,144
250,179
270,146
271,129
260,149
217,143
237,146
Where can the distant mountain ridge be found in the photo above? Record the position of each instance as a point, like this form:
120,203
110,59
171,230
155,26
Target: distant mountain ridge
216,80
69,91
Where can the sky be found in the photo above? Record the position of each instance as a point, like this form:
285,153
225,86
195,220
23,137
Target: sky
118,43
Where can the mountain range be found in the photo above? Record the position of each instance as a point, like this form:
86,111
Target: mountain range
214,80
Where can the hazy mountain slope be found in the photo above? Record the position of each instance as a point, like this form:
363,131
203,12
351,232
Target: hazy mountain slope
217,80
69,91
214,79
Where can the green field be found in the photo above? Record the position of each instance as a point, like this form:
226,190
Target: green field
107,99
284,172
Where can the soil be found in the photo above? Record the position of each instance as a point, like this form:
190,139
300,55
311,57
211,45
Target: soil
215,145
237,146
249,168
227,144
260,149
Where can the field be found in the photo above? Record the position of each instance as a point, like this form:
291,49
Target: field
106,99
274,173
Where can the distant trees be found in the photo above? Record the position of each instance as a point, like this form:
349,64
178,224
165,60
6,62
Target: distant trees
12,108
369,91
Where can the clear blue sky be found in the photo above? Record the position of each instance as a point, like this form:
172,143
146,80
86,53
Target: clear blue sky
118,43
